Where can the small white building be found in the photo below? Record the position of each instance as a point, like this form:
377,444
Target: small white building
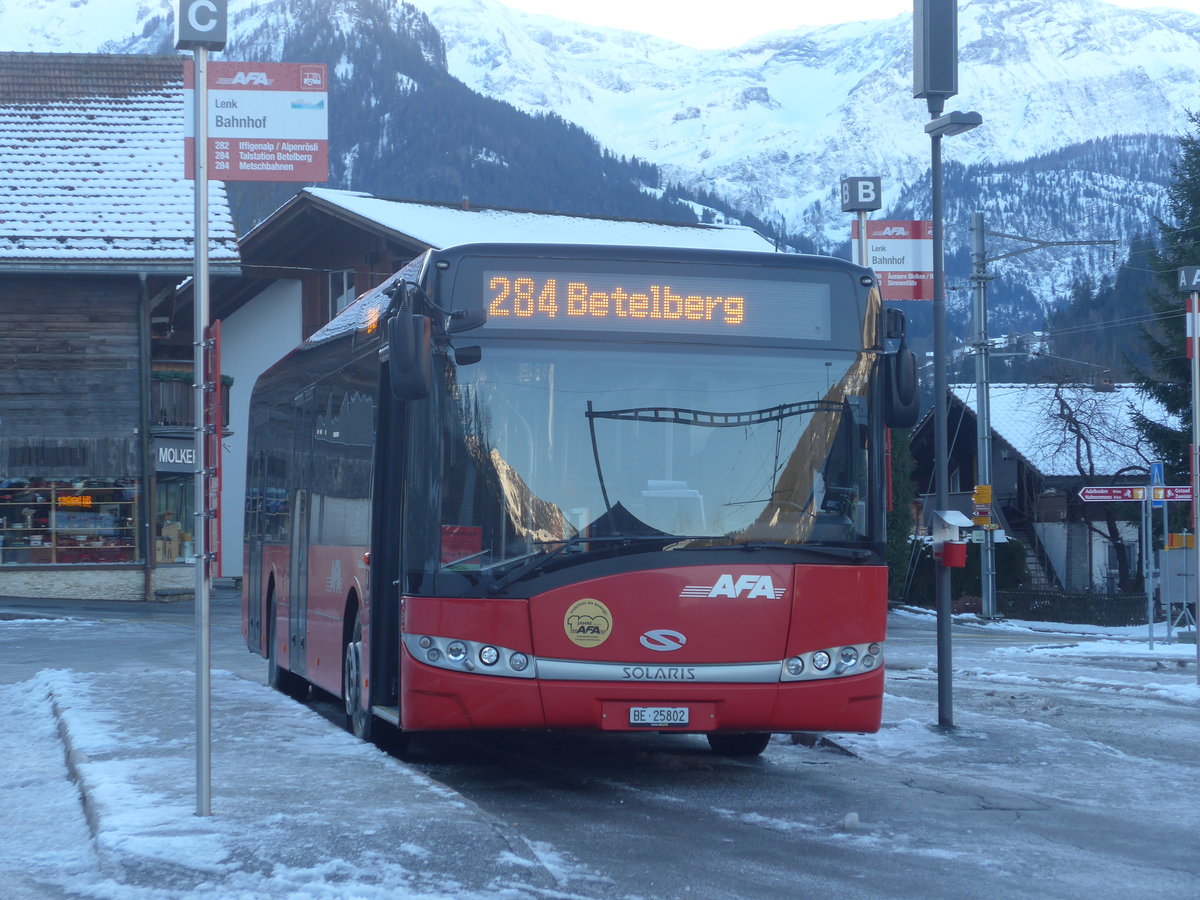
1048,442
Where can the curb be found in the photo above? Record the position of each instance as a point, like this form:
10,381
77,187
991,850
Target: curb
75,759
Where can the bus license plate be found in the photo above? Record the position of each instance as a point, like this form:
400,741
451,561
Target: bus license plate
658,716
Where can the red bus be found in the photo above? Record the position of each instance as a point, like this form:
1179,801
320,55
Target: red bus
575,487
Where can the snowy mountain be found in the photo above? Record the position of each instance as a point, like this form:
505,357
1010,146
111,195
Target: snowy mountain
1081,103
775,124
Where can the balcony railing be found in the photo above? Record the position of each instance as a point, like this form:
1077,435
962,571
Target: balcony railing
173,403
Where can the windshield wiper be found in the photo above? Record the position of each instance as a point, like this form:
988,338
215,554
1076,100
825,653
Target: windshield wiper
824,550
538,561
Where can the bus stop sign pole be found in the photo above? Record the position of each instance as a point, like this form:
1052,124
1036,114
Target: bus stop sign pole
200,26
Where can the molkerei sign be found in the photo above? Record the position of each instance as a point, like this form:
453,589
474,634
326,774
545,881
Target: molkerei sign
174,455
266,121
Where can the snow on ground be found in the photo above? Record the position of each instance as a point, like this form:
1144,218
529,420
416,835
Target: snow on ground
123,743
387,832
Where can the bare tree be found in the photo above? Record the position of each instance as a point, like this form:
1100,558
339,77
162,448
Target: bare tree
1092,429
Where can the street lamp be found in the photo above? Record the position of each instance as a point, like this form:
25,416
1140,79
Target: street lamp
941,126
953,123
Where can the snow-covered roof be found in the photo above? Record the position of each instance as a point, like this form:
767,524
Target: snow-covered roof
1029,418
92,172
439,225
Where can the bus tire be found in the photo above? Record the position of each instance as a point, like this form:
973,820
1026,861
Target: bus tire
287,683
751,743
359,720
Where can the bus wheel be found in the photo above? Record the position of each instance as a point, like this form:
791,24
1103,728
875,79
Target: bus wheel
358,716
287,683
747,744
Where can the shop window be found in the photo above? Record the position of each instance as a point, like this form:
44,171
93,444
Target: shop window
176,503
68,521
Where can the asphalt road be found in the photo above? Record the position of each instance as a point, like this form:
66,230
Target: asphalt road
1063,778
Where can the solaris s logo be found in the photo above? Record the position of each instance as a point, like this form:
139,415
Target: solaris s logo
662,639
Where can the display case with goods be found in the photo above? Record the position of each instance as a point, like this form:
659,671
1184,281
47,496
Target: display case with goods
58,522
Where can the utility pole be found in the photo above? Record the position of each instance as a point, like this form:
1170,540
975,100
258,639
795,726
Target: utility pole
983,419
983,415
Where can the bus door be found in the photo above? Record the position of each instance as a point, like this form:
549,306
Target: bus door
255,521
298,583
387,515
302,450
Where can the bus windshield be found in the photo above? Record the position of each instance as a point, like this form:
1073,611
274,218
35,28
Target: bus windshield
549,441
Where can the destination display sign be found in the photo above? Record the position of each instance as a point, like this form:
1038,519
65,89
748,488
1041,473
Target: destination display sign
680,304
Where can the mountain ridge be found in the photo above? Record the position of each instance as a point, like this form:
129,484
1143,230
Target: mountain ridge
1081,101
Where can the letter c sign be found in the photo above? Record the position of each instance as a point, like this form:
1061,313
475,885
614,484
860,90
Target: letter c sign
202,9
201,23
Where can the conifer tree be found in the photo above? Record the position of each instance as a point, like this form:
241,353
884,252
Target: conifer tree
1169,378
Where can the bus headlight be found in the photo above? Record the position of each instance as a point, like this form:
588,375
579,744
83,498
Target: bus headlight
467,656
846,661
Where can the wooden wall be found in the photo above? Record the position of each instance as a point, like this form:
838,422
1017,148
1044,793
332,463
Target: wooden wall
69,376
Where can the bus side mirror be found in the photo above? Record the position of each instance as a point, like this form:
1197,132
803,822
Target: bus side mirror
410,355
901,389
466,320
467,356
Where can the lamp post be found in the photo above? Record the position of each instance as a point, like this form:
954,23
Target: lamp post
941,126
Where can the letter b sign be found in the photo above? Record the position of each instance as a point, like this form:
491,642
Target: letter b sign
861,194
201,23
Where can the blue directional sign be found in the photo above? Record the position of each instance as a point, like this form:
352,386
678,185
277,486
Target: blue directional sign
1156,478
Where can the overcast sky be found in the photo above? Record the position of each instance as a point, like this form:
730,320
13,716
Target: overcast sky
711,23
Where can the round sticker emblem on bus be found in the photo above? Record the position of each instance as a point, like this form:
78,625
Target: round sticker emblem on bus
587,622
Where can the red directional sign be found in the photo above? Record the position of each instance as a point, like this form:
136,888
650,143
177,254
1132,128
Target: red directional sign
1112,493
1169,492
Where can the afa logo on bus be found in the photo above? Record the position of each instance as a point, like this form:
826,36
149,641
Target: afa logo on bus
735,586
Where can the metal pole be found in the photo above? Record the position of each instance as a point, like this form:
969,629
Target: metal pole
862,239
1146,577
1164,581
940,447
1193,340
983,405
200,529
